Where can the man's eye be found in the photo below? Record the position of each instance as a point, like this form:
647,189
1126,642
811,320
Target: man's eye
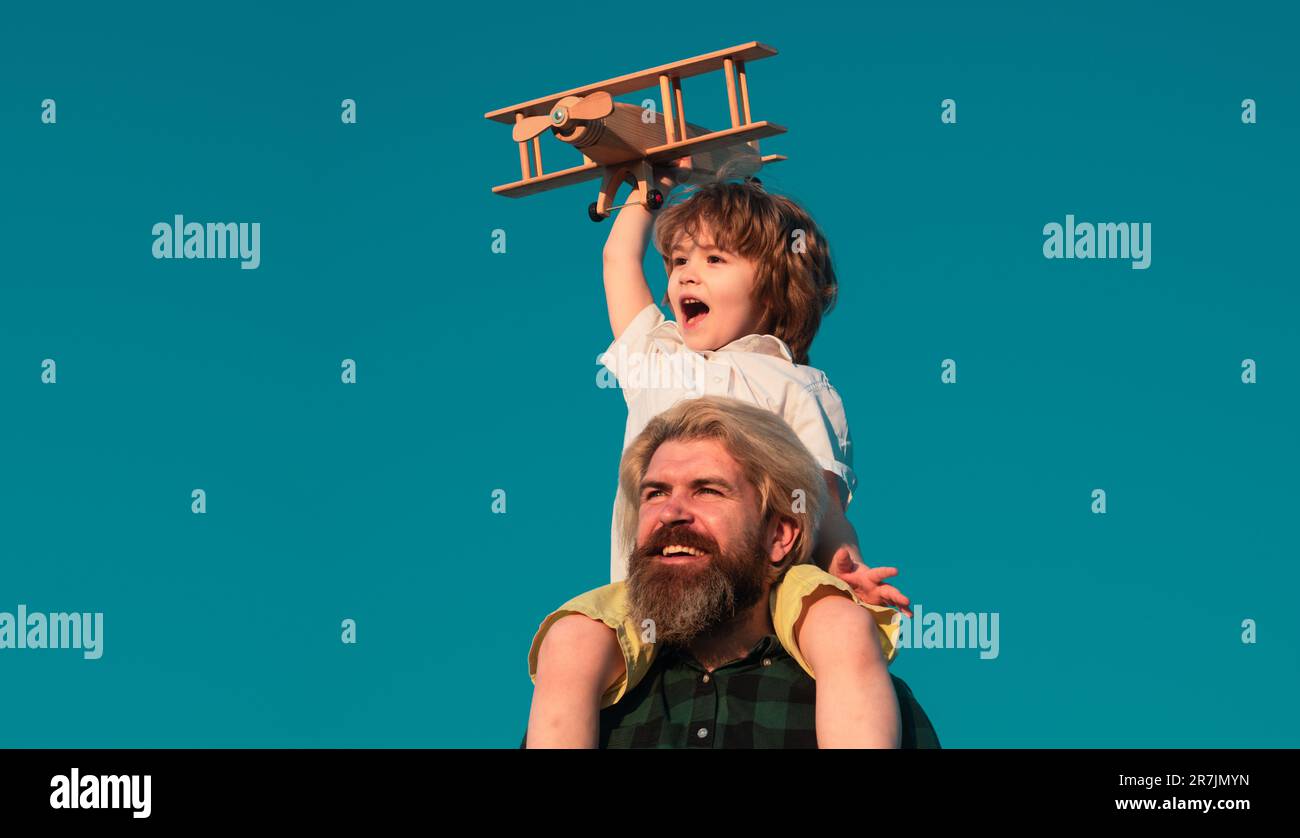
712,491
653,493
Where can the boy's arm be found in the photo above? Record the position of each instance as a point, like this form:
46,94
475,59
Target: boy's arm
579,660
837,553
626,291
856,703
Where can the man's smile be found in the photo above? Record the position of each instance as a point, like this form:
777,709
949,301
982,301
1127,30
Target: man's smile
681,554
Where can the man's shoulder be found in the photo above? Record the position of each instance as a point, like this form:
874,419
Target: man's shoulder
606,601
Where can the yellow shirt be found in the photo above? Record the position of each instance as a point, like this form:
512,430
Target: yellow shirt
609,604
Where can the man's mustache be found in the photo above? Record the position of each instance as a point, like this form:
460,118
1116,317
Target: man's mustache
679,535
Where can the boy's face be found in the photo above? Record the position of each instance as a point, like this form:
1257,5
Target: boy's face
711,293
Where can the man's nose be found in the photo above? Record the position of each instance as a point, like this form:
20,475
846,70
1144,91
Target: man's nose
674,511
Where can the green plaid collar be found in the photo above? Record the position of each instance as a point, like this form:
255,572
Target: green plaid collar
763,700
767,646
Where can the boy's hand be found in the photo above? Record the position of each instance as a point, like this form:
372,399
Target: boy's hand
867,582
668,176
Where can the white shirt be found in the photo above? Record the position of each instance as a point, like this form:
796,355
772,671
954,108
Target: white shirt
656,369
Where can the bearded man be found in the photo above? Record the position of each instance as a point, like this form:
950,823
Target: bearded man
703,645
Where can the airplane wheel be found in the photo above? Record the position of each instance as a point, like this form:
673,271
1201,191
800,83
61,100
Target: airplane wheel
592,214
654,199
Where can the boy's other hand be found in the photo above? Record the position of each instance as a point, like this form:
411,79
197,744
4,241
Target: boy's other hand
868,582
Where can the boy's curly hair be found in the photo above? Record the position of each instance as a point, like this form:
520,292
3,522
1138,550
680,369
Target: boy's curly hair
794,281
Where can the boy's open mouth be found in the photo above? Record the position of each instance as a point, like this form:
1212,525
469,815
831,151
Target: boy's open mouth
693,311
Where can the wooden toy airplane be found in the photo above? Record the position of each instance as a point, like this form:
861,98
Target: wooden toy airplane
618,144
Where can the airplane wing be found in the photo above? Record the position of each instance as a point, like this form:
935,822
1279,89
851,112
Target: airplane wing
712,141
551,180
707,63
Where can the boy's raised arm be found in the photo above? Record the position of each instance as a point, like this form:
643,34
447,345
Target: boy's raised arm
626,291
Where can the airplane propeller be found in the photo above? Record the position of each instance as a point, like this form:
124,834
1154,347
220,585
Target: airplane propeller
597,105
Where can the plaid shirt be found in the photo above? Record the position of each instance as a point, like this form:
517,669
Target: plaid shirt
764,700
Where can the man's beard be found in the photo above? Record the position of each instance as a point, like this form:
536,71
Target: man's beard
685,600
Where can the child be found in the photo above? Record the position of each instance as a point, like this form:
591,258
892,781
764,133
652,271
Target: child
749,280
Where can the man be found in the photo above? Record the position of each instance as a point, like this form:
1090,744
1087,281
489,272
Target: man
723,500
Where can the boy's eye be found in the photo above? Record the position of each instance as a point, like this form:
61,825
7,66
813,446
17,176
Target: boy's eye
679,261
719,258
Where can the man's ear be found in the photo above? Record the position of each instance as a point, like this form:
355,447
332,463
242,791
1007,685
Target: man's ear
781,535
